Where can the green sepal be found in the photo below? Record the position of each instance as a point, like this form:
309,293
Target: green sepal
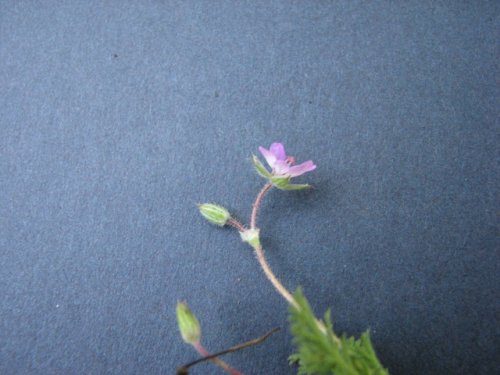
259,167
295,187
281,182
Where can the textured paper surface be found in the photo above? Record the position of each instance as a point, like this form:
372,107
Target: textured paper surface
116,118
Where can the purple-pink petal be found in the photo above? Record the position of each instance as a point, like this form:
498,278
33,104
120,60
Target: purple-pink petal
281,168
282,165
300,169
268,155
278,150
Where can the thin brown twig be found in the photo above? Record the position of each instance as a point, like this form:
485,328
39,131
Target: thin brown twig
184,369
219,362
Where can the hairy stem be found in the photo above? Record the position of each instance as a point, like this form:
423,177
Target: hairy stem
256,205
236,224
259,252
219,362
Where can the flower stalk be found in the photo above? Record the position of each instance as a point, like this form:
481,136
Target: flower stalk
259,251
256,205
236,224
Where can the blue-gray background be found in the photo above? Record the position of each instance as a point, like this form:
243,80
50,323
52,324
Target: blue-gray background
116,118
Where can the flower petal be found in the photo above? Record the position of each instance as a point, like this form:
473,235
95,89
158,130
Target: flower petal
268,155
278,150
300,169
281,168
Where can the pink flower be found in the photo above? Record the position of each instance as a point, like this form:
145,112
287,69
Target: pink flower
283,165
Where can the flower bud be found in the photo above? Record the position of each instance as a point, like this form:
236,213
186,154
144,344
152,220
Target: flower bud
251,236
188,324
214,213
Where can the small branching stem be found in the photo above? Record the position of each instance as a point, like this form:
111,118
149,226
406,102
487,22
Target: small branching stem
236,224
209,357
219,362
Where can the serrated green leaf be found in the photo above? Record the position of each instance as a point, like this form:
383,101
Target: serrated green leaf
259,167
325,353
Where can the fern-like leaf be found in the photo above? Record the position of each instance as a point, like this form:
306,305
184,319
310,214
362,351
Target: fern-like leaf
322,352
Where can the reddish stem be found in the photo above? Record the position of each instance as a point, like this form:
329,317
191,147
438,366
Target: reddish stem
256,205
236,224
219,362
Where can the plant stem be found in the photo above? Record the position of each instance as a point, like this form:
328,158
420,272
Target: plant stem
258,340
256,205
259,251
219,362
236,224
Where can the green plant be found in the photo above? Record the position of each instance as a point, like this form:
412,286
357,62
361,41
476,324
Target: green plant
320,351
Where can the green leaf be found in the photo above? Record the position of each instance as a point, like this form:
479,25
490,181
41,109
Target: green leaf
322,352
259,167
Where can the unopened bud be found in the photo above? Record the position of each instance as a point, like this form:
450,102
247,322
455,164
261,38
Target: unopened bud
188,324
214,213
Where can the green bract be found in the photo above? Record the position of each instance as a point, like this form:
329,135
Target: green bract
251,236
214,213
